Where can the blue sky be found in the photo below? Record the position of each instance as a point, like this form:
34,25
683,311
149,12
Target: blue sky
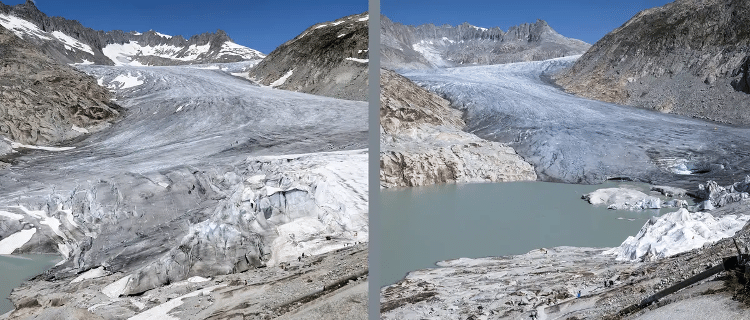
587,20
259,24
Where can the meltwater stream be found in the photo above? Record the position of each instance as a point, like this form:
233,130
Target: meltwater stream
434,223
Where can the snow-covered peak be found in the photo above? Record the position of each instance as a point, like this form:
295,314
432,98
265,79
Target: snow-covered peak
163,35
478,28
27,30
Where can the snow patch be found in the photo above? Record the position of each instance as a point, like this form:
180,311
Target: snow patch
16,145
115,289
281,80
341,35
365,18
163,35
16,240
11,215
478,28
240,50
84,63
79,129
91,274
358,60
71,42
21,27
128,81
198,279
162,311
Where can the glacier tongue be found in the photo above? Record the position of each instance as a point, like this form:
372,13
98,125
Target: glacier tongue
677,232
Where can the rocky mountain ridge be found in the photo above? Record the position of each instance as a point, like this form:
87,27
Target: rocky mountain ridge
687,57
329,59
70,42
428,46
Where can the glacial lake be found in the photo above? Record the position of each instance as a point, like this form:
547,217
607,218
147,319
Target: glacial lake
15,269
424,225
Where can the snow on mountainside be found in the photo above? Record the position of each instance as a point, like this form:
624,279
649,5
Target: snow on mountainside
69,42
430,46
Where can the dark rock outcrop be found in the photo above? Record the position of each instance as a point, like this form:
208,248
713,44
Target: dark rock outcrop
41,100
427,46
329,59
687,57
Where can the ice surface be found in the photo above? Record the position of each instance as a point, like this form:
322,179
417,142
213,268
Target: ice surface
573,139
677,232
431,54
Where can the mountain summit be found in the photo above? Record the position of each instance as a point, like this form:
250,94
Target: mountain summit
429,46
70,42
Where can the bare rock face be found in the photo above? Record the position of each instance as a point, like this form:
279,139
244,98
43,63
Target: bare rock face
429,46
422,142
688,57
43,102
328,59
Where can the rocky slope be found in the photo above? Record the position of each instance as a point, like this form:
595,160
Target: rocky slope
329,59
422,143
429,46
687,57
42,102
544,284
327,286
68,41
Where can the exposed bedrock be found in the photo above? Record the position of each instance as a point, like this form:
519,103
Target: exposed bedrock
43,102
422,142
329,59
687,57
